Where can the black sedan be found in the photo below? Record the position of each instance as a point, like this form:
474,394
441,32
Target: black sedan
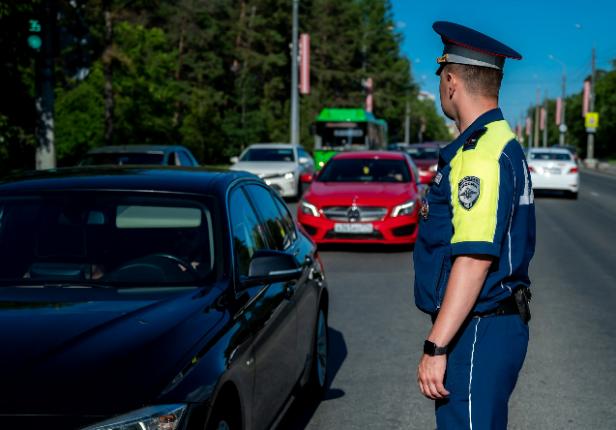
154,299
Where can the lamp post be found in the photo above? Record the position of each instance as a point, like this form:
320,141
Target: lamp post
367,82
563,127
294,78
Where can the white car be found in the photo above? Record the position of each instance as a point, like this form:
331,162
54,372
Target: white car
554,169
280,165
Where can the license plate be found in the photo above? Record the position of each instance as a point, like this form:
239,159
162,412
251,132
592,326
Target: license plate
553,170
354,228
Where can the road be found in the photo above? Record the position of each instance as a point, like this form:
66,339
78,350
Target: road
569,378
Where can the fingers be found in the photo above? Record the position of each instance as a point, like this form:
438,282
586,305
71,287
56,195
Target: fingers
430,374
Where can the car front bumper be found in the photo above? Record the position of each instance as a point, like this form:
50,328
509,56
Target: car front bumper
285,187
390,231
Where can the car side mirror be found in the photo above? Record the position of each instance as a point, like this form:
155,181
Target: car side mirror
303,160
234,160
267,267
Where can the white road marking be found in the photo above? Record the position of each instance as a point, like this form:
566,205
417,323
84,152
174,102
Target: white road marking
595,194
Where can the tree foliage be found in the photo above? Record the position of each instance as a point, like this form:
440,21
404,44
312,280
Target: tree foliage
212,75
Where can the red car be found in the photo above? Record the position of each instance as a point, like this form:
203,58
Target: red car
369,197
425,156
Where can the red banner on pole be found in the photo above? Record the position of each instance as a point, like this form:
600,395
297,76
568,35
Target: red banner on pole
544,114
529,126
304,64
369,99
559,107
586,99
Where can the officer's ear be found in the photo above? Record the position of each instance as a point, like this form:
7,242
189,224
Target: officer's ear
451,81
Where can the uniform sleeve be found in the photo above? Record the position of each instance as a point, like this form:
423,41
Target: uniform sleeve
482,191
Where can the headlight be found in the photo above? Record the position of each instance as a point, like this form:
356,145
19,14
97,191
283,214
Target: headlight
403,209
162,417
309,209
289,175
433,167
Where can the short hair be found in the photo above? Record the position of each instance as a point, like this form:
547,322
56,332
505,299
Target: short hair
482,81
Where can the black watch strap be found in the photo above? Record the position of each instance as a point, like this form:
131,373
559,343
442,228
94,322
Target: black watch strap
431,349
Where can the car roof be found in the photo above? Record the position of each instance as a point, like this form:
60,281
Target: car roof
271,145
424,145
385,155
192,180
552,149
113,149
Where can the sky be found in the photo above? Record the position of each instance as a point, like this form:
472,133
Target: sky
566,29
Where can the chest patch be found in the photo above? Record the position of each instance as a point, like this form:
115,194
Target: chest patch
469,189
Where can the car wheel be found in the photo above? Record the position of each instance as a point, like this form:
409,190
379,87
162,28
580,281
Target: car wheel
320,350
573,195
225,419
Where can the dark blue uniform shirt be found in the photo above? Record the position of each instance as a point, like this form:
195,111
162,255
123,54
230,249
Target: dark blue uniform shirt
480,202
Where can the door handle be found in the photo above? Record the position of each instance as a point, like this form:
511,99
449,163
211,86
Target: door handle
289,291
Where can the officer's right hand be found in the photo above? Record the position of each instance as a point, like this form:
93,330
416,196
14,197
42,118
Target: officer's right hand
430,376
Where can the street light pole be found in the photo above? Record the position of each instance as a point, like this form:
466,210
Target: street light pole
294,78
563,126
590,143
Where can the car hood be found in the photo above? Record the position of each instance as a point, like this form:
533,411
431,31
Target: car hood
94,352
265,168
366,194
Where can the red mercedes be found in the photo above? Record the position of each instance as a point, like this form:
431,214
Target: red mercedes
368,197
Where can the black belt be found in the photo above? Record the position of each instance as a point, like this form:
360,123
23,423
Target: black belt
507,306
516,304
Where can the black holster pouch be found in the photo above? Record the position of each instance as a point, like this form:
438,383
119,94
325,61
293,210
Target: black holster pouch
522,298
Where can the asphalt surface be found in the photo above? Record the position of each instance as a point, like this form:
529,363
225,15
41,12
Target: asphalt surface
569,377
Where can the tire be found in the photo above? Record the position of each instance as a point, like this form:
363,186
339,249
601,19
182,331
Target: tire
317,382
573,195
225,419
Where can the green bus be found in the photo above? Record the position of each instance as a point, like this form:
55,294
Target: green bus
344,129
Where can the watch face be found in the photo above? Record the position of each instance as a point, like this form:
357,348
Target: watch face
431,349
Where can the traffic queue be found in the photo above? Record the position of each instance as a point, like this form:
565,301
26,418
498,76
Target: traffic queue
192,298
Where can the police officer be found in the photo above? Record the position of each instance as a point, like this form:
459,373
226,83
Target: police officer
476,239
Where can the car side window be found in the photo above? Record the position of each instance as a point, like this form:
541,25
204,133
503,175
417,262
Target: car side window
184,159
287,218
414,170
172,161
247,232
272,218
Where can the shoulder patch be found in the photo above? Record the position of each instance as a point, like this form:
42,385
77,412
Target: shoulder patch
469,189
471,141
438,178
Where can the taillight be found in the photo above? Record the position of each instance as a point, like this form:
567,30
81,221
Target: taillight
573,170
531,168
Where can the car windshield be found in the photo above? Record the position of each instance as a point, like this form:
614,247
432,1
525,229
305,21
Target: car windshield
105,238
550,156
423,153
268,154
123,158
365,170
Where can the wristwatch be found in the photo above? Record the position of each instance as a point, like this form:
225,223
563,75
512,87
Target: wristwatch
431,349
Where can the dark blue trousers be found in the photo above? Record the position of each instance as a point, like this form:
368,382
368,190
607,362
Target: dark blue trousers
482,369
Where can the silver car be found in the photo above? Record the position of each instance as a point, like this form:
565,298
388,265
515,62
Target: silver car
280,165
